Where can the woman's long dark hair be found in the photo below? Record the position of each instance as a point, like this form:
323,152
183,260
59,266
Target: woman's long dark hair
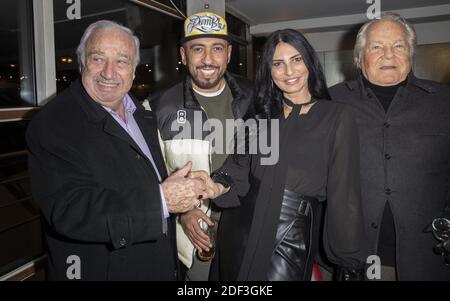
268,97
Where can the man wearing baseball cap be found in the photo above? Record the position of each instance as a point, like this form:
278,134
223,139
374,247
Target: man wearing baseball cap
207,92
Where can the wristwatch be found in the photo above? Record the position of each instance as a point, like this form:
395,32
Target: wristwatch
222,178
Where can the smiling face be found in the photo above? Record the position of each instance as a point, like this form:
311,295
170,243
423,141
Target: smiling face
207,60
108,71
385,60
289,73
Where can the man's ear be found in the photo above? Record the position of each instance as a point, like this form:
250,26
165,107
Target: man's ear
230,48
183,55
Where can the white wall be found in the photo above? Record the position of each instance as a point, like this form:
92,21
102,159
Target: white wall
338,32
427,33
194,6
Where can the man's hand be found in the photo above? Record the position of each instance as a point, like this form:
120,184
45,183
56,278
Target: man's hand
443,249
213,189
190,223
441,230
181,192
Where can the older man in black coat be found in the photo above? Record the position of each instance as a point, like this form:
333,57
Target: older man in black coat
404,126
98,174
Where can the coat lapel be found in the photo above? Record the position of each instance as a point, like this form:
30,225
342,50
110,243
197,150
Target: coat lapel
147,123
113,128
145,120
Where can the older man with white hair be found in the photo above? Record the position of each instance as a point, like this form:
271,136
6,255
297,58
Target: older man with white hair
98,175
404,126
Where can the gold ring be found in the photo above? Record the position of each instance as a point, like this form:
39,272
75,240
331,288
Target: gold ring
199,204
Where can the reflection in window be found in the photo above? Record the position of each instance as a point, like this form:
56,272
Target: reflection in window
235,26
237,29
158,33
16,56
238,62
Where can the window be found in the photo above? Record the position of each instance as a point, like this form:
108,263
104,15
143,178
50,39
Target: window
237,30
236,26
16,56
20,229
238,62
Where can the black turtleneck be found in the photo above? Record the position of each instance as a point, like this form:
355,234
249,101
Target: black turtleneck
385,94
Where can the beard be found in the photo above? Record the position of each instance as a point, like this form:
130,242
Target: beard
207,85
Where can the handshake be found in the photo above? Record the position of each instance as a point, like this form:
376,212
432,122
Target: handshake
185,189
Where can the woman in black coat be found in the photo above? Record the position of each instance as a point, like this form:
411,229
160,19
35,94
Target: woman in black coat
274,232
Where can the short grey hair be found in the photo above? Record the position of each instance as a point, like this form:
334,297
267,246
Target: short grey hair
361,38
105,24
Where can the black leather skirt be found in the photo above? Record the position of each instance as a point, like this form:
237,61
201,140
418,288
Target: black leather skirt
296,239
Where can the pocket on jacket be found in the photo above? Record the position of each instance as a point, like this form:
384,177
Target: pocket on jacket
434,138
435,146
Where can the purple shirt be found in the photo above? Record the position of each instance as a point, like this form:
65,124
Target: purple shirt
132,128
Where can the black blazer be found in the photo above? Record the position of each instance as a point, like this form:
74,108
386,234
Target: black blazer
98,193
405,161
